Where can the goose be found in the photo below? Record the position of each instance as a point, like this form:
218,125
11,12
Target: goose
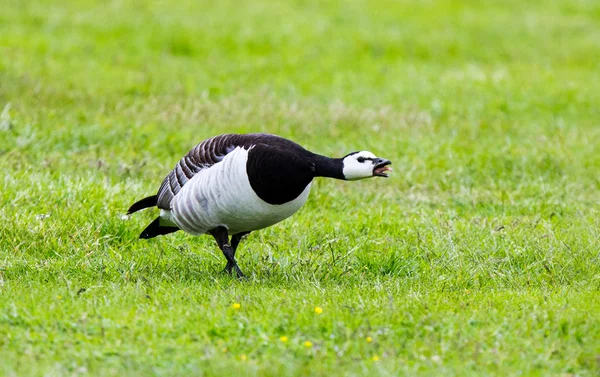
234,184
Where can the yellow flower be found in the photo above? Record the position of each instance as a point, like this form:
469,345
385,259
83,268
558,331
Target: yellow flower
236,305
283,339
318,310
225,350
243,357
375,358
369,339
308,344
59,297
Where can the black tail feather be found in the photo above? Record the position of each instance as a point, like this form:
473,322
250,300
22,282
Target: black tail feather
154,229
150,201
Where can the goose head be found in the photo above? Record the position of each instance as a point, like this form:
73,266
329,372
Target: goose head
364,164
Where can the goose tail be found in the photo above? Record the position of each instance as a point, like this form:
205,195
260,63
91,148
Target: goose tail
147,202
155,229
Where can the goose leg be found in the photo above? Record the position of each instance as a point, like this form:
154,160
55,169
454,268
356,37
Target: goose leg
222,238
235,241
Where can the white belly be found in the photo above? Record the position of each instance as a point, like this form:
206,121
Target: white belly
222,196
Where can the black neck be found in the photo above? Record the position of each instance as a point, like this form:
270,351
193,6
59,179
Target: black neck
280,178
328,167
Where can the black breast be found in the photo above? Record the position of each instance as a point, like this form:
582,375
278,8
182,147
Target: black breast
278,173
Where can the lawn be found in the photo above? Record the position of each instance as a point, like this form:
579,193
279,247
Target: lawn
480,255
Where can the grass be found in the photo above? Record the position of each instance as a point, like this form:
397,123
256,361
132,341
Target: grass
479,256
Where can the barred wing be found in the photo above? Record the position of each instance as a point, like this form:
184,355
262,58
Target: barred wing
203,156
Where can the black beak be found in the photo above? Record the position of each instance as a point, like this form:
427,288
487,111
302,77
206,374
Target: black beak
381,167
379,162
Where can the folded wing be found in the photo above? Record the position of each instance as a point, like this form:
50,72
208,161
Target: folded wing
202,156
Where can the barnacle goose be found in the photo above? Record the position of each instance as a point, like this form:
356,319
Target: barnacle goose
233,184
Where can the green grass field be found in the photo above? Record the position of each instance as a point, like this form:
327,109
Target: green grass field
479,256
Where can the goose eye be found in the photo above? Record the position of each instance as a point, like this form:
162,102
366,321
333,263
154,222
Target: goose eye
360,159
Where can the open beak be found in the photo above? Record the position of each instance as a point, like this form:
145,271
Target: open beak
381,166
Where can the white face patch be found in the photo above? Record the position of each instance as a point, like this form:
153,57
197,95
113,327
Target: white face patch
359,165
